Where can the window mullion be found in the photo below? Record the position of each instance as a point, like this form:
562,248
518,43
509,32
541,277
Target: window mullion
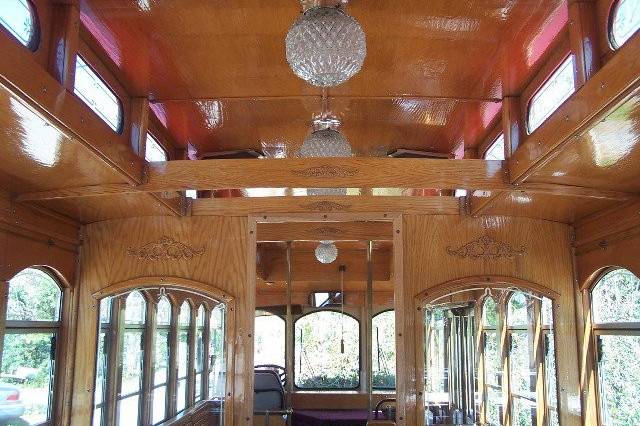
113,369
4,298
146,402
505,340
538,339
482,371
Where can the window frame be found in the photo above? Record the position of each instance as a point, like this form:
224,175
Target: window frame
112,376
167,381
536,91
605,329
119,130
34,41
493,142
156,141
57,328
611,15
359,383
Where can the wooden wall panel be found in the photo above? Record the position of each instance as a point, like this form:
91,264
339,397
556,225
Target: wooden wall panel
546,261
105,262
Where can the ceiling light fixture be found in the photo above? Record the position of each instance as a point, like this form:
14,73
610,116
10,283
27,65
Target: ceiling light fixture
326,252
325,46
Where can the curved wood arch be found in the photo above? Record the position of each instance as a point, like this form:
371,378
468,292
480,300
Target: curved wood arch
141,283
482,281
597,275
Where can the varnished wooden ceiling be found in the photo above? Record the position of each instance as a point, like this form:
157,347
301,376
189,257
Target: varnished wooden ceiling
433,78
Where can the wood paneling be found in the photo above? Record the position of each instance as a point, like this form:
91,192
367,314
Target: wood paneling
105,262
343,231
547,262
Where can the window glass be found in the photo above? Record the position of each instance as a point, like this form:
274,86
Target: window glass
191,193
559,86
29,347
153,150
327,357
161,361
551,377
619,288
101,360
518,309
269,343
183,354
490,313
547,311
625,22
97,95
199,352
437,372
33,296
217,362
17,17
185,314
619,382
496,150
384,350
136,307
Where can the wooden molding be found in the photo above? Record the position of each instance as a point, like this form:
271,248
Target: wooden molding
310,231
166,248
485,247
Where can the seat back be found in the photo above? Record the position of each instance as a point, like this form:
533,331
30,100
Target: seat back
267,391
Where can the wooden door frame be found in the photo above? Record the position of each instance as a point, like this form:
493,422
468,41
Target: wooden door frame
405,382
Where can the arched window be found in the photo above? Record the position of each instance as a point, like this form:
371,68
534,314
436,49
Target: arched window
200,327
384,350
19,18
624,22
131,359
29,348
492,361
184,346
153,151
558,87
217,354
496,149
327,357
269,345
161,361
94,92
615,310
145,331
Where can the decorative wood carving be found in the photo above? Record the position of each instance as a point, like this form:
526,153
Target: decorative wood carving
326,171
486,247
166,248
327,231
326,206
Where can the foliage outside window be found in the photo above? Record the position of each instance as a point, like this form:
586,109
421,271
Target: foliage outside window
269,346
29,349
18,17
625,22
496,149
384,350
327,351
557,89
145,330
94,92
615,310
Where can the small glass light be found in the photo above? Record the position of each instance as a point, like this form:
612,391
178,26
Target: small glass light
325,143
326,252
325,46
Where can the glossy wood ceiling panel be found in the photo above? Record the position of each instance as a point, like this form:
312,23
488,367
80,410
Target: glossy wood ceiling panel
37,155
372,126
554,208
607,156
233,53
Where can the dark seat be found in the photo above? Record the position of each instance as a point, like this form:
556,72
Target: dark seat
267,391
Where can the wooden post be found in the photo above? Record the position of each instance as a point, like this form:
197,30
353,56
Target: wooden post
512,124
290,338
64,43
584,39
139,125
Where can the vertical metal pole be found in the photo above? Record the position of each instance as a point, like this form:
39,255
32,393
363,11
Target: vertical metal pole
289,337
368,339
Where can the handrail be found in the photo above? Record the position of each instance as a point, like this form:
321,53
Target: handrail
268,413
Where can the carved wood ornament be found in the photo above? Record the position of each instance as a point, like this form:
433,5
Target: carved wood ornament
166,248
326,206
327,231
486,247
326,171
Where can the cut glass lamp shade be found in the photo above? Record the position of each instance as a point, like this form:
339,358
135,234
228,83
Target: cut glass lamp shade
325,143
326,252
325,46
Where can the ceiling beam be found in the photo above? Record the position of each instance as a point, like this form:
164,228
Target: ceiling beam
310,231
618,79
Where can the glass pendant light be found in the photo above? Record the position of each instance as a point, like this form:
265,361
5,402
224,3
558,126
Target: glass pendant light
326,252
325,46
